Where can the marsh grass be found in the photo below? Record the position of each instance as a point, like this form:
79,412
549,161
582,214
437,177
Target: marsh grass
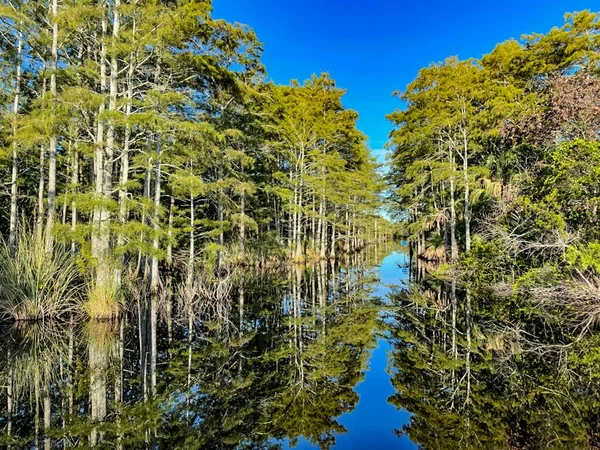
36,285
103,303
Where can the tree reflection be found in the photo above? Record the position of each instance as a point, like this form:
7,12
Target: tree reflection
480,372
282,364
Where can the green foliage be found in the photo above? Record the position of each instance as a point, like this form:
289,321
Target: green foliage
149,137
585,257
505,147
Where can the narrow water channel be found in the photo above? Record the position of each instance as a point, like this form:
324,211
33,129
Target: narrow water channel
373,422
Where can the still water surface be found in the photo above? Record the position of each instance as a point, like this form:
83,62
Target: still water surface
373,421
328,356
290,358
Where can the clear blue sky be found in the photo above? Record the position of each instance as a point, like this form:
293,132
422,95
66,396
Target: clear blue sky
374,47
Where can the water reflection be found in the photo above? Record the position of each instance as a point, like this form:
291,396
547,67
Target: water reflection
477,371
276,356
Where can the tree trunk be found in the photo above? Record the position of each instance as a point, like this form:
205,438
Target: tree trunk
154,341
75,183
154,281
294,216
242,227
147,181
299,227
454,344
103,185
9,399
119,378
375,231
70,369
142,346
41,189
15,169
468,333
333,243
190,357
354,232
53,143
241,308
220,215
47,417
36,425
323,252
124,178
347,243
98,361
291,227
156,220
313,226
467,194
169,276
169,255
298,205
189,282
453,243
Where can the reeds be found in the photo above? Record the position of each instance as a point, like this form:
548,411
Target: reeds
35,284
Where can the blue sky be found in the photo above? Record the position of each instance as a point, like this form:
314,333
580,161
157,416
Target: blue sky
375,47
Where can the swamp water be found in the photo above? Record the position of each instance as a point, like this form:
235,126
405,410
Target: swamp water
329,356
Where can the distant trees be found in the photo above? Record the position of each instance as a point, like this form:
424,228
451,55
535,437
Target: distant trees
324,156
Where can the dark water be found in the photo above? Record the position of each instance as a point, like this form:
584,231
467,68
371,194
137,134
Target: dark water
329,356
480,365
290,358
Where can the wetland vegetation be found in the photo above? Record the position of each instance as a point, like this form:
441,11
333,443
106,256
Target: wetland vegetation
193,256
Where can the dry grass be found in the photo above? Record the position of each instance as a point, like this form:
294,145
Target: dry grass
103,303
433,253
103,335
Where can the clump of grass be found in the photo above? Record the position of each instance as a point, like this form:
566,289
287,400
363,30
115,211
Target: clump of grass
35,284
313,256
103,303
436,248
